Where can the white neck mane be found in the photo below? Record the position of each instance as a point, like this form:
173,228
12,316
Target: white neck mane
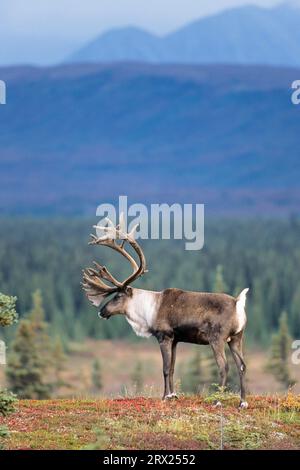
142,311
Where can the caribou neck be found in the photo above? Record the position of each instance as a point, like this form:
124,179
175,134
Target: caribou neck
142,310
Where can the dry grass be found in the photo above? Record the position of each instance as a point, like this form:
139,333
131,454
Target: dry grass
118,359
120,422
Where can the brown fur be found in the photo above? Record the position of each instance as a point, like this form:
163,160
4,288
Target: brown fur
195,317
191,317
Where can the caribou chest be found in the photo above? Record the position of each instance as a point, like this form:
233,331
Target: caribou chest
141,312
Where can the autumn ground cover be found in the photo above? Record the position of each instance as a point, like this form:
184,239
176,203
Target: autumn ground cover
146,423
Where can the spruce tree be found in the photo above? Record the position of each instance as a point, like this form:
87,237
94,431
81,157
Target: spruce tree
30,358
137,377
8,316
219,282
26,367
59,360
295,309
278,363
97,376
194,378
40,327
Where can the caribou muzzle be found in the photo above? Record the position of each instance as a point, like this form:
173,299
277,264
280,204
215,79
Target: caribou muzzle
103,313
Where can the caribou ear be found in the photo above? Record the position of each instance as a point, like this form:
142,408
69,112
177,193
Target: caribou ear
94,297
129,291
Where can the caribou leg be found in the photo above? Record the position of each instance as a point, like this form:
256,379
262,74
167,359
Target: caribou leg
172,368
235,346
219,352
166,352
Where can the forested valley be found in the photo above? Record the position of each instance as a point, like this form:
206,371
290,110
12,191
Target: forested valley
49,255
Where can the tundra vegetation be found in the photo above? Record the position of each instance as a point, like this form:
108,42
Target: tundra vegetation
270,422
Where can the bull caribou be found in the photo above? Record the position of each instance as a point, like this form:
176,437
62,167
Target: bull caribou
172,315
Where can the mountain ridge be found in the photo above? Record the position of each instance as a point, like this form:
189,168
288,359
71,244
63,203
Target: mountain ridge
245,35
73,136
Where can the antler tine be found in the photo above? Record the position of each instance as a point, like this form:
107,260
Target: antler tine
105,274
111,243
109,222
142,266
129,237
93,278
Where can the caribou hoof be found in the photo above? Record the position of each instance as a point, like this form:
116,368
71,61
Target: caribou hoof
243,405
170,396
217,404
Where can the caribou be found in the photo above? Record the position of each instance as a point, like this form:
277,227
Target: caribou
171,315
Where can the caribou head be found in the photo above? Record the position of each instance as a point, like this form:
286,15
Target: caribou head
99,283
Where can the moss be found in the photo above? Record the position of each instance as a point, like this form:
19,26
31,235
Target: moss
140,423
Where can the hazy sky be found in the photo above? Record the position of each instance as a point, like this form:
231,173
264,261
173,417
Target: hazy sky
46,31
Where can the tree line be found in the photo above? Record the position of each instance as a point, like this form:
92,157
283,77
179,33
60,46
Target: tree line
49,254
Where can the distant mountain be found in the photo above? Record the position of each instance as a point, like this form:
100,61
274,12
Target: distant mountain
77,135
131,44
246,35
